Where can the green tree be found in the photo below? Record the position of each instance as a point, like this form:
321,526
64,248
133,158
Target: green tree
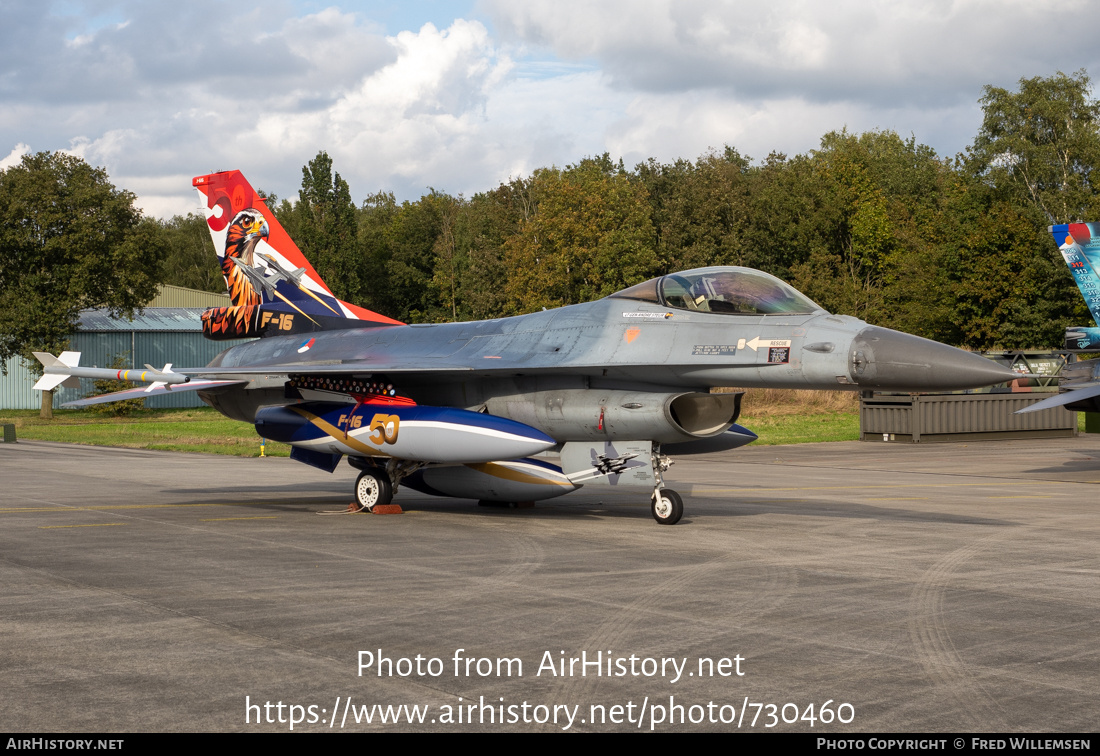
848,269
190,260
1034,162
450,253
414,245
488,220
1006,288
1041,145
327,229
589,236
699,209
376,216
69,240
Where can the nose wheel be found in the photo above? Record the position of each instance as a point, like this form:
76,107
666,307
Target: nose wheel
373,488
667,506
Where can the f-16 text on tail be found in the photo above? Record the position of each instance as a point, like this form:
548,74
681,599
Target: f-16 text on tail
522,408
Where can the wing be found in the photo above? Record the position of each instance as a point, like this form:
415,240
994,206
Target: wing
143,392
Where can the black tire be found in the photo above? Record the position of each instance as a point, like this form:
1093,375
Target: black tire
372,489
668,508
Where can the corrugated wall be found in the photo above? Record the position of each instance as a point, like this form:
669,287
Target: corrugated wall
15,387
954,417
100,350
177,296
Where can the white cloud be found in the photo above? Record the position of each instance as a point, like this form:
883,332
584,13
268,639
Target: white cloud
654,125
851,50
15,156
421,108
154,91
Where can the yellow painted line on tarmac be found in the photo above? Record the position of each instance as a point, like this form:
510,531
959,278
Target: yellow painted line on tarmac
1049,496
224,519
96,525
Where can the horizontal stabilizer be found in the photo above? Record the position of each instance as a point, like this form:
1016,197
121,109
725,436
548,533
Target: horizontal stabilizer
146,393
1064,398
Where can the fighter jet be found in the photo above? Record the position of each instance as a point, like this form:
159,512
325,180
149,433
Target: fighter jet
529,407
256,277
1079,383
278,272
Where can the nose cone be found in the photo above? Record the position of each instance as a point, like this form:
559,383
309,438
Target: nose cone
894,361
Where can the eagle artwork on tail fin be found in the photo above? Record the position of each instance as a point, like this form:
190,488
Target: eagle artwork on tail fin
244,233
247,229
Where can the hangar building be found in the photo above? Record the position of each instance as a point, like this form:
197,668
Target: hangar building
170,330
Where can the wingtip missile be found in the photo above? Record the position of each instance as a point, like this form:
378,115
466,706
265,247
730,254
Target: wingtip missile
65,370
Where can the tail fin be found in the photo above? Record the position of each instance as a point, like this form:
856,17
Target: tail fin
1079,244
273,289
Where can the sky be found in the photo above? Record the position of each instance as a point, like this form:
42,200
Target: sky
461,96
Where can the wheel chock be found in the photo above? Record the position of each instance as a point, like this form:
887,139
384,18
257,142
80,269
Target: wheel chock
387,509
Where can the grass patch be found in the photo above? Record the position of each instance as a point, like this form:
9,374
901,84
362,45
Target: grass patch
802,429
786,402
792,416
200,430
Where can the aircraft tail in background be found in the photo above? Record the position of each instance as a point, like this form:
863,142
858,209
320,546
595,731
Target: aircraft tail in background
273,289
1079,244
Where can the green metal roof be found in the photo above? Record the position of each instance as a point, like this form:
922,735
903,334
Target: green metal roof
178,296
153,319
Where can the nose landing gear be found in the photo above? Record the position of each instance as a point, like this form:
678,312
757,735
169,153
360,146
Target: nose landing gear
667,507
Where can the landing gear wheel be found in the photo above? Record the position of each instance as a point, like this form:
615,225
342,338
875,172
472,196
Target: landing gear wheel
667,507
373,488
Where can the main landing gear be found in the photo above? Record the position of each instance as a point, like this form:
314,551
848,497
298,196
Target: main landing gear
667,506
376,483
373,488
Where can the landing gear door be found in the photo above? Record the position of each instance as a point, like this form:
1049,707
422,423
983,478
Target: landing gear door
609,463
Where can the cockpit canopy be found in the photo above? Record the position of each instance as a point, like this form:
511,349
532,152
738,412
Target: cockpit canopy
737,291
